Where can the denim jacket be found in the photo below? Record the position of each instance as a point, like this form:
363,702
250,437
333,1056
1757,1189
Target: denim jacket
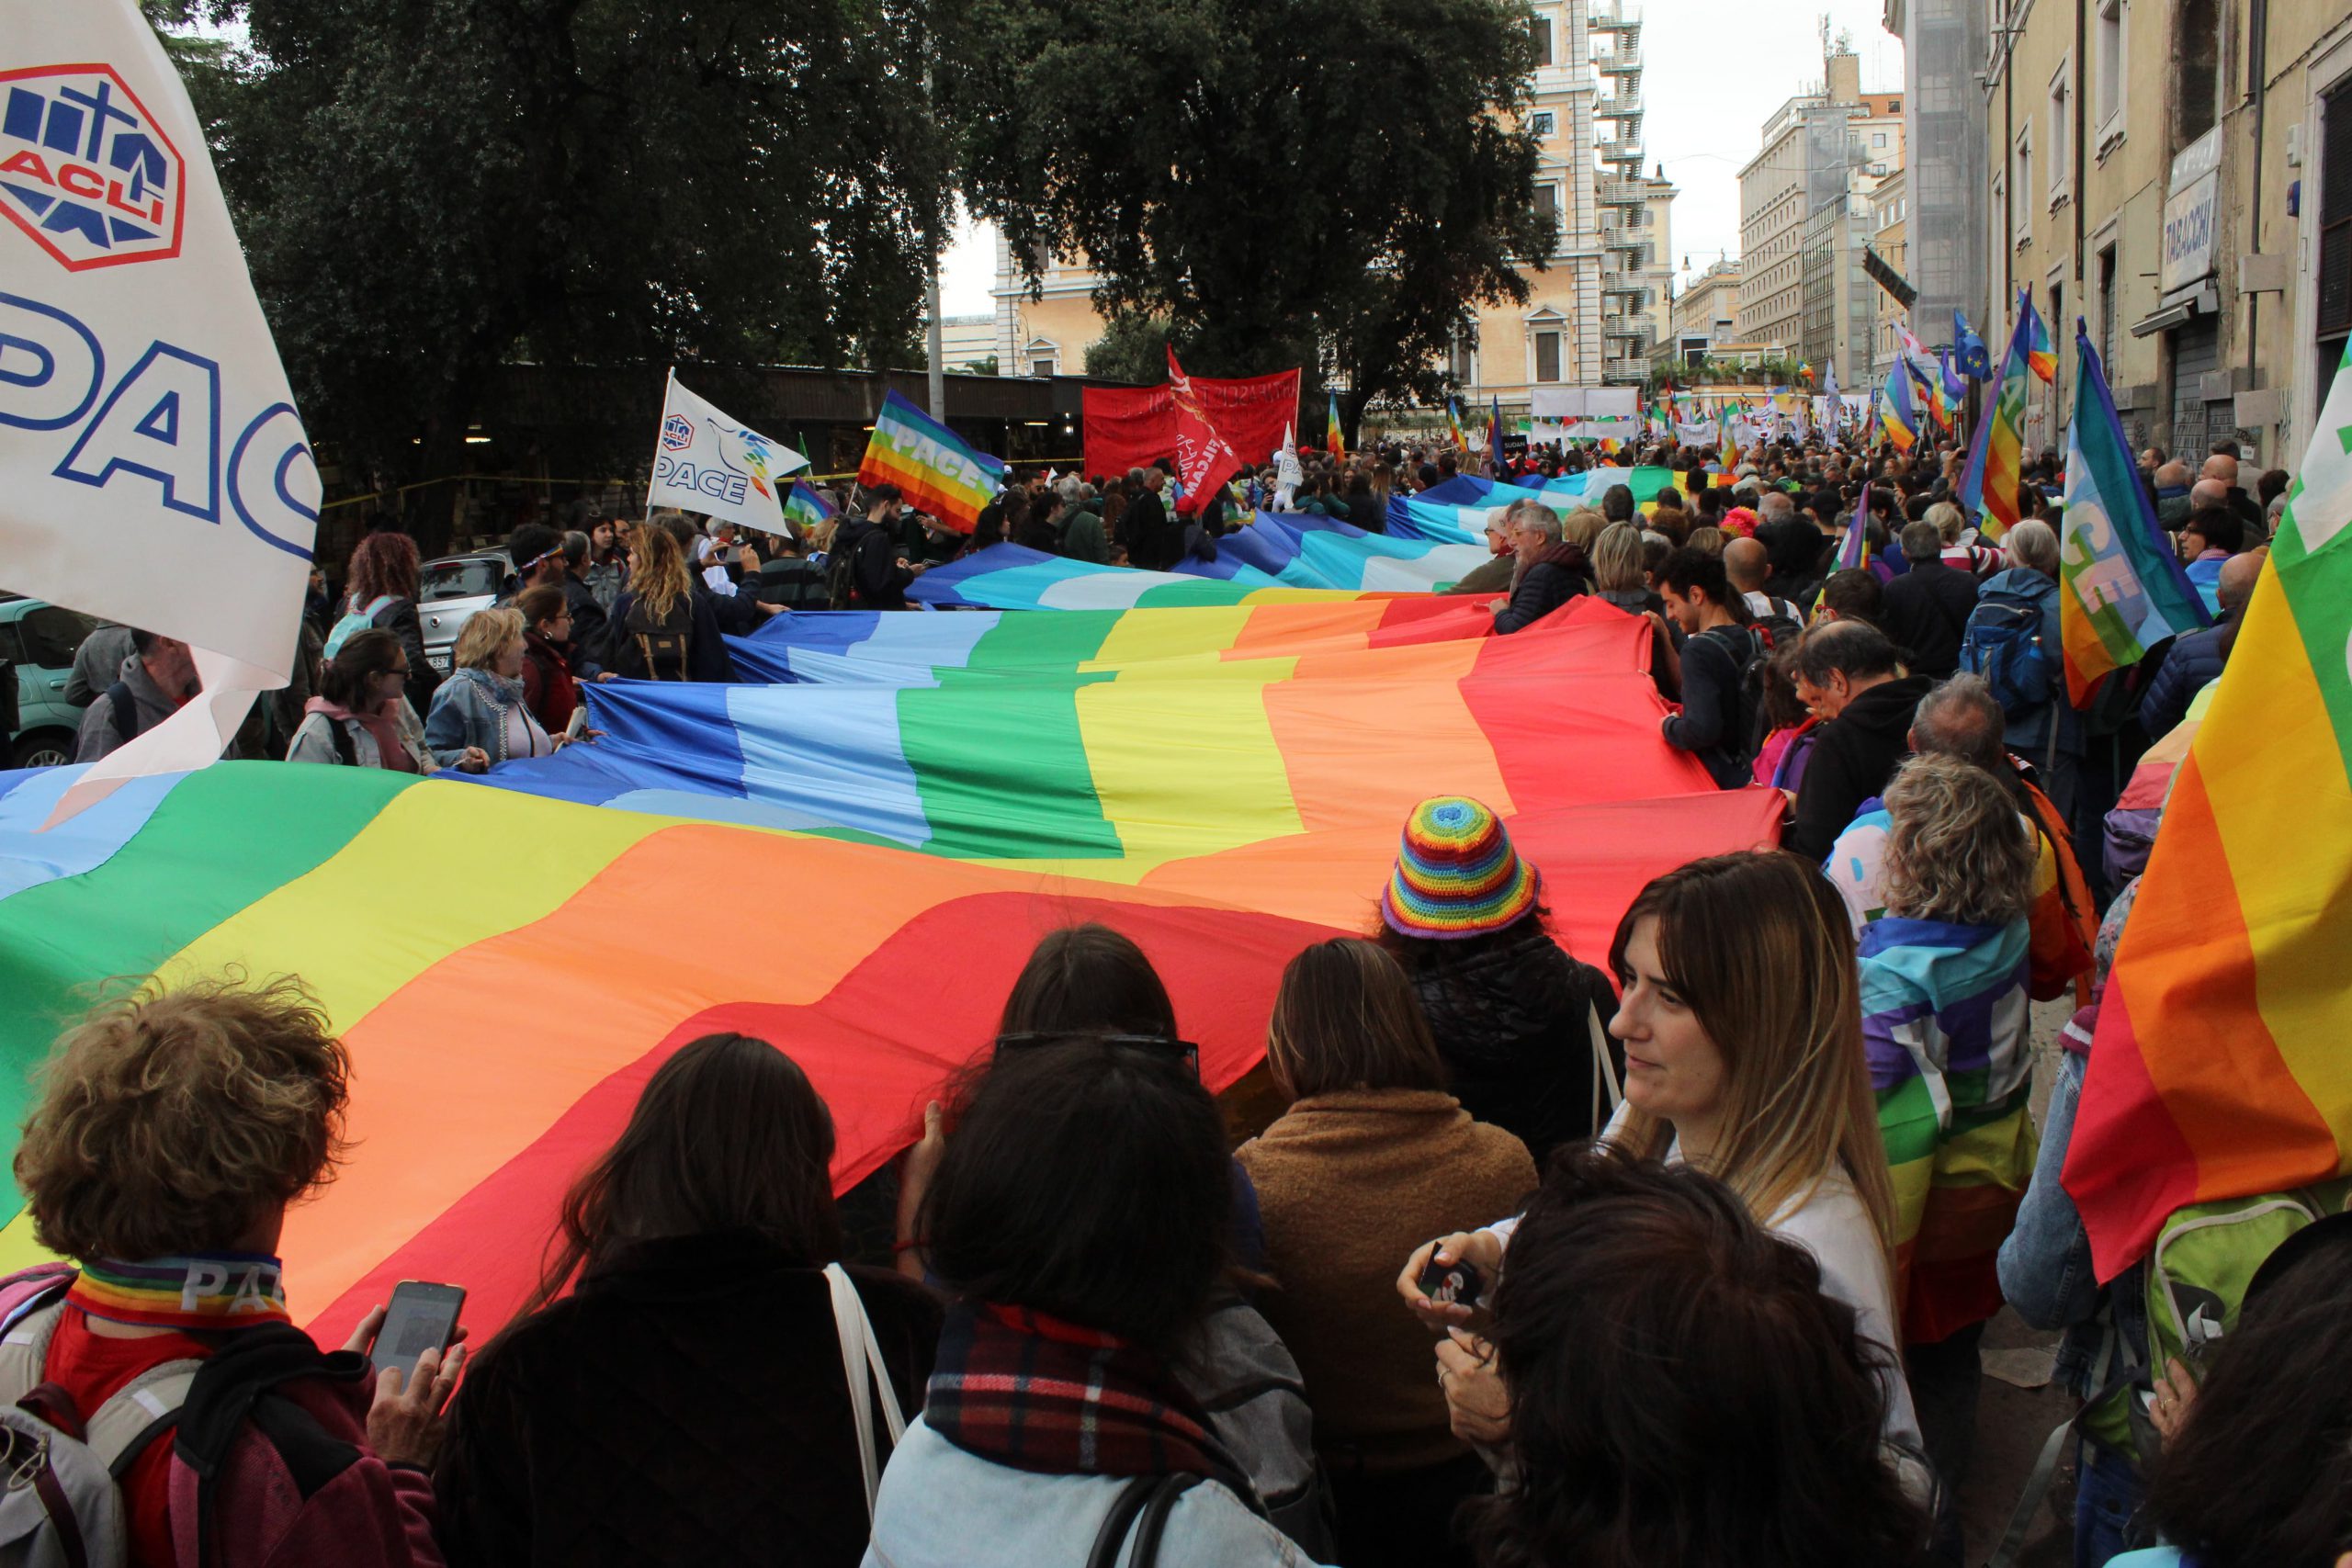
470,709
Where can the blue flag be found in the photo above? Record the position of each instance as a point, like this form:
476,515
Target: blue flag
1954,387
1975,362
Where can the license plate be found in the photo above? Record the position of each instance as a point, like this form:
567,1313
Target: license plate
438,660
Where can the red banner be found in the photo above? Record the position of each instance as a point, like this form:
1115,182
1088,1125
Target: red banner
1204,459
1131,427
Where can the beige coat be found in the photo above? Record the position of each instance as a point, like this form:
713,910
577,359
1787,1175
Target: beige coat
1349,1185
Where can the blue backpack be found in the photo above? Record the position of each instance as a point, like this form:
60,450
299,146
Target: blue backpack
356,619
2003,644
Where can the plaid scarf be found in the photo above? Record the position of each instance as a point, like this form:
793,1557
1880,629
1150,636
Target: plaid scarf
1021,1389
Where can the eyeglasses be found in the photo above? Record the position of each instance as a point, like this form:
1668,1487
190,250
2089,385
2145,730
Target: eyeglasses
1159,1043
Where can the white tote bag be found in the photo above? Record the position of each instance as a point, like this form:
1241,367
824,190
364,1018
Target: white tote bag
862,1367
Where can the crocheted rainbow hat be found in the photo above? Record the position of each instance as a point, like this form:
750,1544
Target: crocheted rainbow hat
1456,874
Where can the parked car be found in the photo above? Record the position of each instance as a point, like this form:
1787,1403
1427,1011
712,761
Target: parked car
40,640
449,591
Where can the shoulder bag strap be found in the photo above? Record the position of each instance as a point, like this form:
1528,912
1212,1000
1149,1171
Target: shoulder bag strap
122,1428
862,1369
1604,1071
1121,1519
1154,1523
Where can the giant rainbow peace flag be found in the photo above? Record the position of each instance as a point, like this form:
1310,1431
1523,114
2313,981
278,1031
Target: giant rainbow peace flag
2120,589
853,865
935,470
2222,1066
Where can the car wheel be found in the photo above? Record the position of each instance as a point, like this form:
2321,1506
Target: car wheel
52,749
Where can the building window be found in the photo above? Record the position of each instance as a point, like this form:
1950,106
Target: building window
1547,356
1895,106
2106,281
1541,30
2022,185
1877,139
2197,70
2108,86
1042,366
2062,168
1542,125
1547,201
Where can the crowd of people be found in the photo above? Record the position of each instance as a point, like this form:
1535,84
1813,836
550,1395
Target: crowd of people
1662,1299
1528,1265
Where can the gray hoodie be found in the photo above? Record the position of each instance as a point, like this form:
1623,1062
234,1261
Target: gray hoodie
98,735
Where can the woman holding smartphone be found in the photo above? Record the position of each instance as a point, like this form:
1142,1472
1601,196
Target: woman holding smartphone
1742,1027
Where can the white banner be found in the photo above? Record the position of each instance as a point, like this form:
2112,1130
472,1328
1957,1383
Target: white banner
153,467
704,461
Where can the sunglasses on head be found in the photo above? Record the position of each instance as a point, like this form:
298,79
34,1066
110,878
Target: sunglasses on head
1158,1043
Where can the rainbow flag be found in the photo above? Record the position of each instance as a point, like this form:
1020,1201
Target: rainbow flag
2120,589
1945,1029
1898,421
1223,784
809,506
1988,486
1331,436
1453,426
2221,1068
1495,434
934,468
2039,355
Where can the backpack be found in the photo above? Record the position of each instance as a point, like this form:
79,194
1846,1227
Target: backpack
355,622
67,1509
1779,627
2196,1277
665,643
2003,644
1749,654
841,567
123,713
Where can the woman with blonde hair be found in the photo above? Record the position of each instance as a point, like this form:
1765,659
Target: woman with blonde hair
1947,1030
662,627
1372,1156
479,716
1743,1036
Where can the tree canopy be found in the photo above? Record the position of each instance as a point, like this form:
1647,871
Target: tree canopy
1331,183
1133,347
426,189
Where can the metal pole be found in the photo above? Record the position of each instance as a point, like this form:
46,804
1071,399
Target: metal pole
938,370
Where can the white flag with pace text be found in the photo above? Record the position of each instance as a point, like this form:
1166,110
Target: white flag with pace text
153,467
704,461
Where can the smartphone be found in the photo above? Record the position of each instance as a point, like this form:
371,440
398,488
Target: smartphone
423,1316
1459,1283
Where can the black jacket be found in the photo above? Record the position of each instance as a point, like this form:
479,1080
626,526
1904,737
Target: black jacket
2191,662
1925,611
874,563
1716,723
588,628
1551,581
1143,529
707,655
400,618
1851,762
685,1404
1511,1020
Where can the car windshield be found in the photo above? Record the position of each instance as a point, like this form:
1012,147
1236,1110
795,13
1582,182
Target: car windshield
474,576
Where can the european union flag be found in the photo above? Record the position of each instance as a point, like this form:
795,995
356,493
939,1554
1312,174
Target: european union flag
1975,363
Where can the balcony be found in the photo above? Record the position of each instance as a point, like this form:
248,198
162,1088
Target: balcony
1615,192
1626,368
1619,107
1616,16
1626,61
1620,150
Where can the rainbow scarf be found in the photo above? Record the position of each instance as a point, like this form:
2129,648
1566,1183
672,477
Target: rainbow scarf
934,469
2220,1069
205,1289
1946,1028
